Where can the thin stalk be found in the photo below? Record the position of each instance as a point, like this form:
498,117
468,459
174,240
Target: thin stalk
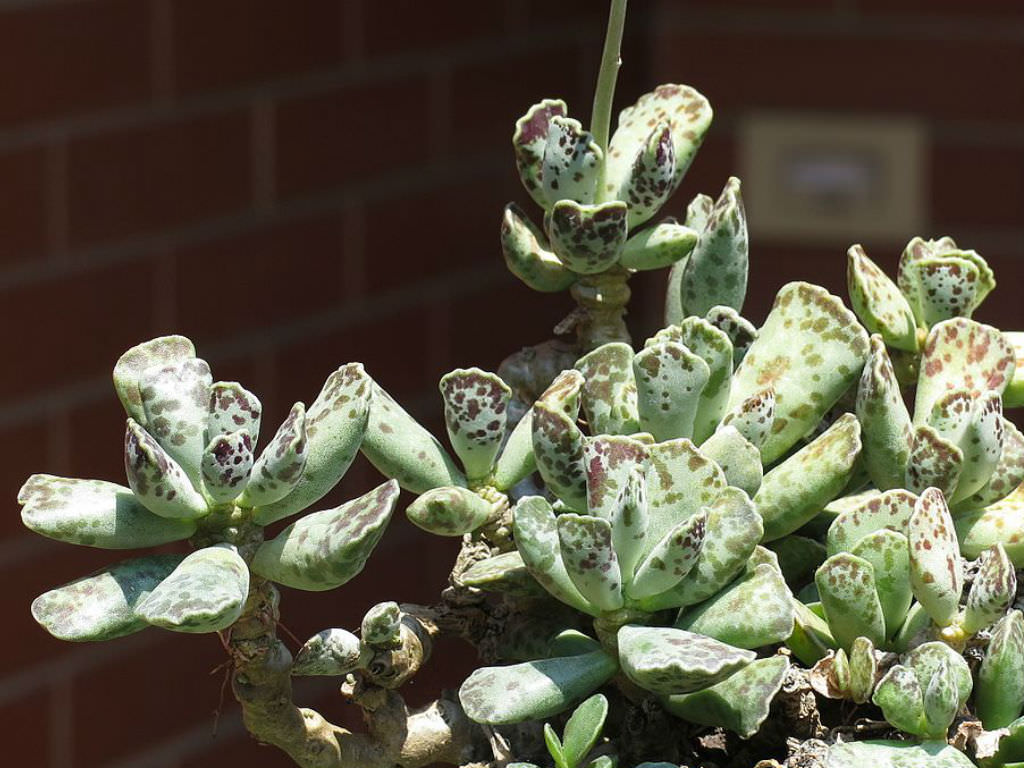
611,60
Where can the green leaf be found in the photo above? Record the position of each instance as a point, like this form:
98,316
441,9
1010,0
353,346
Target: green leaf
609,462
233,407
162,351
993,590
948,288
670,560
584,729
982,446
449,511
590,561
895,754
331,653
1013,395
951,415
280,466
891,510
659,246
889,555
999,693
536,535
205,593
558,448
933,462
669,382
101,606
999,523
935,573
528,256
799,557
476,415
629,522
884,419
811,350
918,251
227,466
335,425
901,698
754,611
399,447
571,162
516,460
535,689
325,549
651,180
505,573
811,639
609,394
740,703
381,626
554,745
156,479
587,238
176,402
1008,474
666,660
716,272
738,457
530,140
878,302
797,489
923,694
753,418
849,597
740,331
863,670
94,513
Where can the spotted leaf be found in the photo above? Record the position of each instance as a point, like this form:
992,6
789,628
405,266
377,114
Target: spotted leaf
528,256
205,593
101,606
629,521
796,490
919,251
740,331
896,754
335,425
669,380
740,703
280,466
609,391
982,446
922,695
697,214
812,639
666,660
888,552
530,140
658,246
587,238
156,479
536,536
589,558
325,549
449,511
332,653
162,351
516,460
1013,395
849,598
609,461
932,462
571,162
476,415
1008,474
935,573
176,402
884,419
563,394
998,523
999,692
948,288
754,611
535,689
558,448
993,590
381,626
738,457
753,418
651,180
232,407
505,573
878,302
227,465
669,560
94,513
399,447
810,350
890,510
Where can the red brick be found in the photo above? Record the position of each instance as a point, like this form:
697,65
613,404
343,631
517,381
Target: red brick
403,26
74,326
64,59
157,175
96,439
294,268
23,201
869,74
27,720
339,137
229,43
976,186
26,452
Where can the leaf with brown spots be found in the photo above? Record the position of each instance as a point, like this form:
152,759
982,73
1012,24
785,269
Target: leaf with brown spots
528,256
609,462
323,550
658,246
280,466
629,520
738,457
162,351
589,558
993,590
999,691
176,401
753,418
884,419
156,479
999,523
888,552
890,510
571,162
1008,474
697,214
921,289
227,466
609,391
382,625
741,332
505,574
232,407
530,140
449,511
587,238
558,449
849,598
933,462
476,416
651,180
936,575
1013,395
331,653
669,560
923,694
878,302
669,382
982,446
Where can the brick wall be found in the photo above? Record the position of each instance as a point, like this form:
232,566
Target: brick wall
296,184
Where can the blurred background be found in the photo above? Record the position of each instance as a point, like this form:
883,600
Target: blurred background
295,184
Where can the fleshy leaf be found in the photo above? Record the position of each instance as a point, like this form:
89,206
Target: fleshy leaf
951,415
849,597
535,689
563,394
798,557
571,162
811,639
165,350
933,462
651,181
590,561
863,670
281,464
176,401
558,448
101,606
754,611
1013,395
516,460
381,626
232,407
889,554
993,590
716,272
629,521
999,523
609,461
156,479
740,703
797,489
891,510
667,661
536,535
584,729
878,302
669,382
922,695
449,511
935,573
94,513
738,457
999,693
659,246
884,419
811,349
741,332
335,425
399,447
982,446
530,140
896,754
227,465
205,593
1008,474
332,652
505,573
670,560
587,238
528,256
609,394
476,415
948,288
753,418
325,549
